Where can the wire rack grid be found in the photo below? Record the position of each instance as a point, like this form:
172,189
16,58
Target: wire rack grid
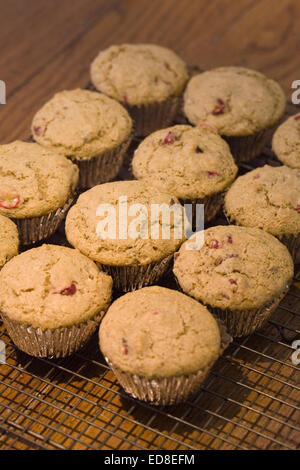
250,400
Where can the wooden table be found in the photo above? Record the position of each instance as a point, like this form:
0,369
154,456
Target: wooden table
250,400
48,45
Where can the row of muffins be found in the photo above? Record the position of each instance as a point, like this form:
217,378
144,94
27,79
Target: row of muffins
95,134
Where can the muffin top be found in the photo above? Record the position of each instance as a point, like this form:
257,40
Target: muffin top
9,240
81,124
33,180
96,224
139,73
61,288
159,332
190,162
286,142
235,100
268,198
237,268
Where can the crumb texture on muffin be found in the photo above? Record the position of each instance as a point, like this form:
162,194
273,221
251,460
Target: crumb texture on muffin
9,240
186,161
53,286
237,268
159,332
267,198
139,73
34,181
81,124
132,248
286,142
235,100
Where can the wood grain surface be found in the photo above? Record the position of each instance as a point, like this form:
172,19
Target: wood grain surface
251,398
48,46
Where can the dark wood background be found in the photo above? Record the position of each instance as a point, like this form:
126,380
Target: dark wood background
47,45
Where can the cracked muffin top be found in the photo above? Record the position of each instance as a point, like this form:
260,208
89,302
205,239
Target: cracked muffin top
81,124
116,224
187,161
138,74
159,332
267,198
286,142
9,240
34,181
61,288
237,268
235,100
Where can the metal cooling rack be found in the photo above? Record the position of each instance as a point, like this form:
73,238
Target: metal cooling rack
250,400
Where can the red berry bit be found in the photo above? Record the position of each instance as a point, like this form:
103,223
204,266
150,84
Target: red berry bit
170,138
298,208
229,239
232,281
125,346
10,203
297,118
69,290
255,177
40,130
215,245
219,109
125,99
37,130
154,313
211,174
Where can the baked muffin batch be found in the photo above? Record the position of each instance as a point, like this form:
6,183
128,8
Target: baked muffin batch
160,343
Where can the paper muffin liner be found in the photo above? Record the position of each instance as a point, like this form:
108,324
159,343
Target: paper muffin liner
166,390
212,205
35,229
245,148
148,118
103,168
292,242
244,322
129,278
56,343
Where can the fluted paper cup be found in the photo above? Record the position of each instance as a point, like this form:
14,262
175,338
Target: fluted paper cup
56,343
129,278
36,229
166,390
103,168
148,118
244,322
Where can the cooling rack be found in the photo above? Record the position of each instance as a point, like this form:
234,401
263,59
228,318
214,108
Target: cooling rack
250,400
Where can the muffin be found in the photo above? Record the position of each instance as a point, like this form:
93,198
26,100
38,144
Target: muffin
90,128
52,299
286,142
147,79
9,240
115,224
160,344
192,163
240,273
242,104
268,198
36,188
